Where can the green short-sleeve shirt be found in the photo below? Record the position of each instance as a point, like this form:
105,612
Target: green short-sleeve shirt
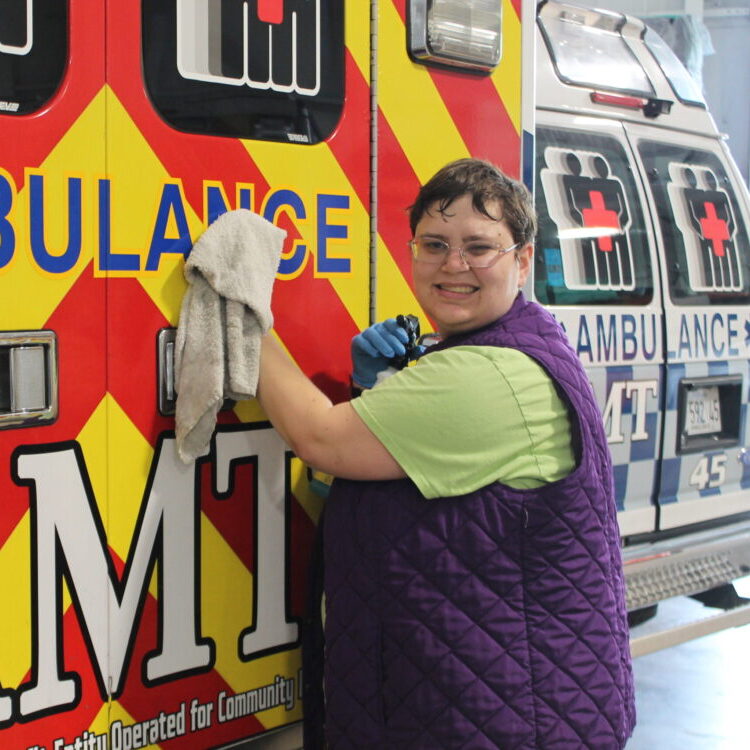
467,416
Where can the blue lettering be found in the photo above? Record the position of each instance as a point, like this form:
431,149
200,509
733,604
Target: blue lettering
109,261
606,341
584,339
629,341
718,350
293,264
7,233
684,343
171,204
649,353
45,260
328,231
701,335
733,333
216,205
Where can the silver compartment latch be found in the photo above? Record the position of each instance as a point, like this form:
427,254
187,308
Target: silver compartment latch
167,393
166,378
28,378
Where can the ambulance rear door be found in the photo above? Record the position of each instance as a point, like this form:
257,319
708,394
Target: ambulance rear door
701,218
52,361
596,272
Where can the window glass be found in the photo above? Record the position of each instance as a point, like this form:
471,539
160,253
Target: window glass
593,55
269,70
592,246
683,84
33,53
704,234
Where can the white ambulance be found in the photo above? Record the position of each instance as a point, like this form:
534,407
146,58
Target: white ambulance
643,256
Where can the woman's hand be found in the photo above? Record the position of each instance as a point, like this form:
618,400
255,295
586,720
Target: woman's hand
373,349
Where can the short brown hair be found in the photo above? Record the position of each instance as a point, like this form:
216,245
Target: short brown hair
486,184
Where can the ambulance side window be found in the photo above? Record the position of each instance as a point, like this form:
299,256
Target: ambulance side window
33,53
267,70
592,247
704,233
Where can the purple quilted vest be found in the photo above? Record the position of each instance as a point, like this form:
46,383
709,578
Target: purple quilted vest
491,620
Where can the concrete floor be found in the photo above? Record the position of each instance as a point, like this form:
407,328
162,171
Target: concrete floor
695,696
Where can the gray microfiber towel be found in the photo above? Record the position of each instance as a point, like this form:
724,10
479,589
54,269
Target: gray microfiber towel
225,311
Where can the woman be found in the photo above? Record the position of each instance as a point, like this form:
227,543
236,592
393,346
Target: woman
473,580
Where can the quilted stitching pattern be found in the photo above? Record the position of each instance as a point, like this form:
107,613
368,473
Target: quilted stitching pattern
494,620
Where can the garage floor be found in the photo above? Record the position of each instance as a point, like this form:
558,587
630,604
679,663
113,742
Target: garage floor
695,696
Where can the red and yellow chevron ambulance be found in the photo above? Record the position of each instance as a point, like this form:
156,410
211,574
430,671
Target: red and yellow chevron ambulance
151,604
146,603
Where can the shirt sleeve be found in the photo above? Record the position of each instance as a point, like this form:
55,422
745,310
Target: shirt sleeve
455,422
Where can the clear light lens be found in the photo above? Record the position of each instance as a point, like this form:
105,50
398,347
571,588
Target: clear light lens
468,31
588,50
683,84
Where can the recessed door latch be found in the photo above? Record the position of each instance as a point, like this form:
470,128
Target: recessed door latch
28,378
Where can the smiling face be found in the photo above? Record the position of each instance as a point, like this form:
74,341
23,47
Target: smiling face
459,298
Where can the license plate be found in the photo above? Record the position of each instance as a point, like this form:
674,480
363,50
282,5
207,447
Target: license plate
702,412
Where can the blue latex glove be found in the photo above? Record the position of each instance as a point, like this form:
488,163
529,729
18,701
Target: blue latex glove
372,349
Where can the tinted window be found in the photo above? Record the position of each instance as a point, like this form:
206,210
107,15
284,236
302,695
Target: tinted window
270,70
33,53
592,246
704,234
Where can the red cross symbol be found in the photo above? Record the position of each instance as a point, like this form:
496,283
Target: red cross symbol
271,11
714,229
600,216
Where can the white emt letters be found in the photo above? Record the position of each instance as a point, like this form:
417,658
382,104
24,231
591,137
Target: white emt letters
68,541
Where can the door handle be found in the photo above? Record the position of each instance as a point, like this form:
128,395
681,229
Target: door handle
28,378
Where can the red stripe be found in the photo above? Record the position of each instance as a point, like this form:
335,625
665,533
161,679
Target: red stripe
400,6
350,143
27,140
398,186
479,114
233,516
133,325
81,377
303,534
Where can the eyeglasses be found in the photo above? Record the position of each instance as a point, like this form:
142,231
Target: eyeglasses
476,254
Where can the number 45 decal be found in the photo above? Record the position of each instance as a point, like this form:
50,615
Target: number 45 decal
710,471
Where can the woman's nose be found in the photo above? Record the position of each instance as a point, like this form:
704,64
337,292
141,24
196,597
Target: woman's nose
454,260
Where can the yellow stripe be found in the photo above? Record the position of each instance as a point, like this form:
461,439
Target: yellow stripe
137,178
227,609
15,594
226,601
30,295
394,295
313,170
411,103
507,75
100,724
358,38
93,441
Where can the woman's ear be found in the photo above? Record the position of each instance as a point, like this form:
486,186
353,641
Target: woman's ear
523,258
